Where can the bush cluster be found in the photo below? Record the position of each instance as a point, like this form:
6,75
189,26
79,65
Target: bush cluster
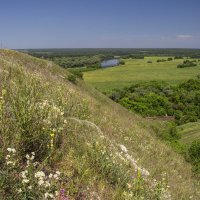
162,99
187,63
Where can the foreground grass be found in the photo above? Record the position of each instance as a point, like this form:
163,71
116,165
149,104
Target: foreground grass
101,150
138,70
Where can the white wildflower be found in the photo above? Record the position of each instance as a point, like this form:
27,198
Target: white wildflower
39,174
123,148
28,163
32,157
144,172
46,195
10,163
25,181
7,157
55,176
40,182
46,184
58,173
50,175
12,150
19,190
35,164
30,187
23,174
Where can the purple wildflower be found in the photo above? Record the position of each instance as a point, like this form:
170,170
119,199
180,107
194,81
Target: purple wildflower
62,195
62,192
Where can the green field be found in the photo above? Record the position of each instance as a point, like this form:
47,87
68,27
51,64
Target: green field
189,132
138,70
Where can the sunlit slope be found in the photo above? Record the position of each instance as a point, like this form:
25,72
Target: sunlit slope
138,70
95,122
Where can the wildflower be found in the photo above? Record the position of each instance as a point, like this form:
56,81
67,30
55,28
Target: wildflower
56,193
23,174
129,185
58,173
50,175
25,181
35,164
10,163
46,195
52,134
19,190
55,176
7,157
144,172
32,157
62,192
40,182
123,148
46,184
39,174
11,150
30,187
28,163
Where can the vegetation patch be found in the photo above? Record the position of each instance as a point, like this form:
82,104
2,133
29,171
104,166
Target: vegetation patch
187,63
162,99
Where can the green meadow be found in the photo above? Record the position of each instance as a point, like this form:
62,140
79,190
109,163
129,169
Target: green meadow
139,70
189,132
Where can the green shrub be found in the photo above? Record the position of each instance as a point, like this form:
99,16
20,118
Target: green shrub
77,73
121,62
194,155
194,151
72,78
187,63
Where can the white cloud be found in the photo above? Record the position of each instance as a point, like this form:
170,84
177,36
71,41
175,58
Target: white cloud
184,37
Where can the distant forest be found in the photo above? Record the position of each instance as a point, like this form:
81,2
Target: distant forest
110,52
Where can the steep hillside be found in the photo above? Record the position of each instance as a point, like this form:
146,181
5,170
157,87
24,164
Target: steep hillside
102,150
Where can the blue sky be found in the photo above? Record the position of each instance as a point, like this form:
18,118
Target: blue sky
100,23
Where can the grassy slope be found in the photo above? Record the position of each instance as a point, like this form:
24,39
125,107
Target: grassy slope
118,126
136,70
189,132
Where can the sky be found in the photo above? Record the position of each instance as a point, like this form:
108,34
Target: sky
99,24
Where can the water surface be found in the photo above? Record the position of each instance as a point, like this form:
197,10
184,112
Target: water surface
110,63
